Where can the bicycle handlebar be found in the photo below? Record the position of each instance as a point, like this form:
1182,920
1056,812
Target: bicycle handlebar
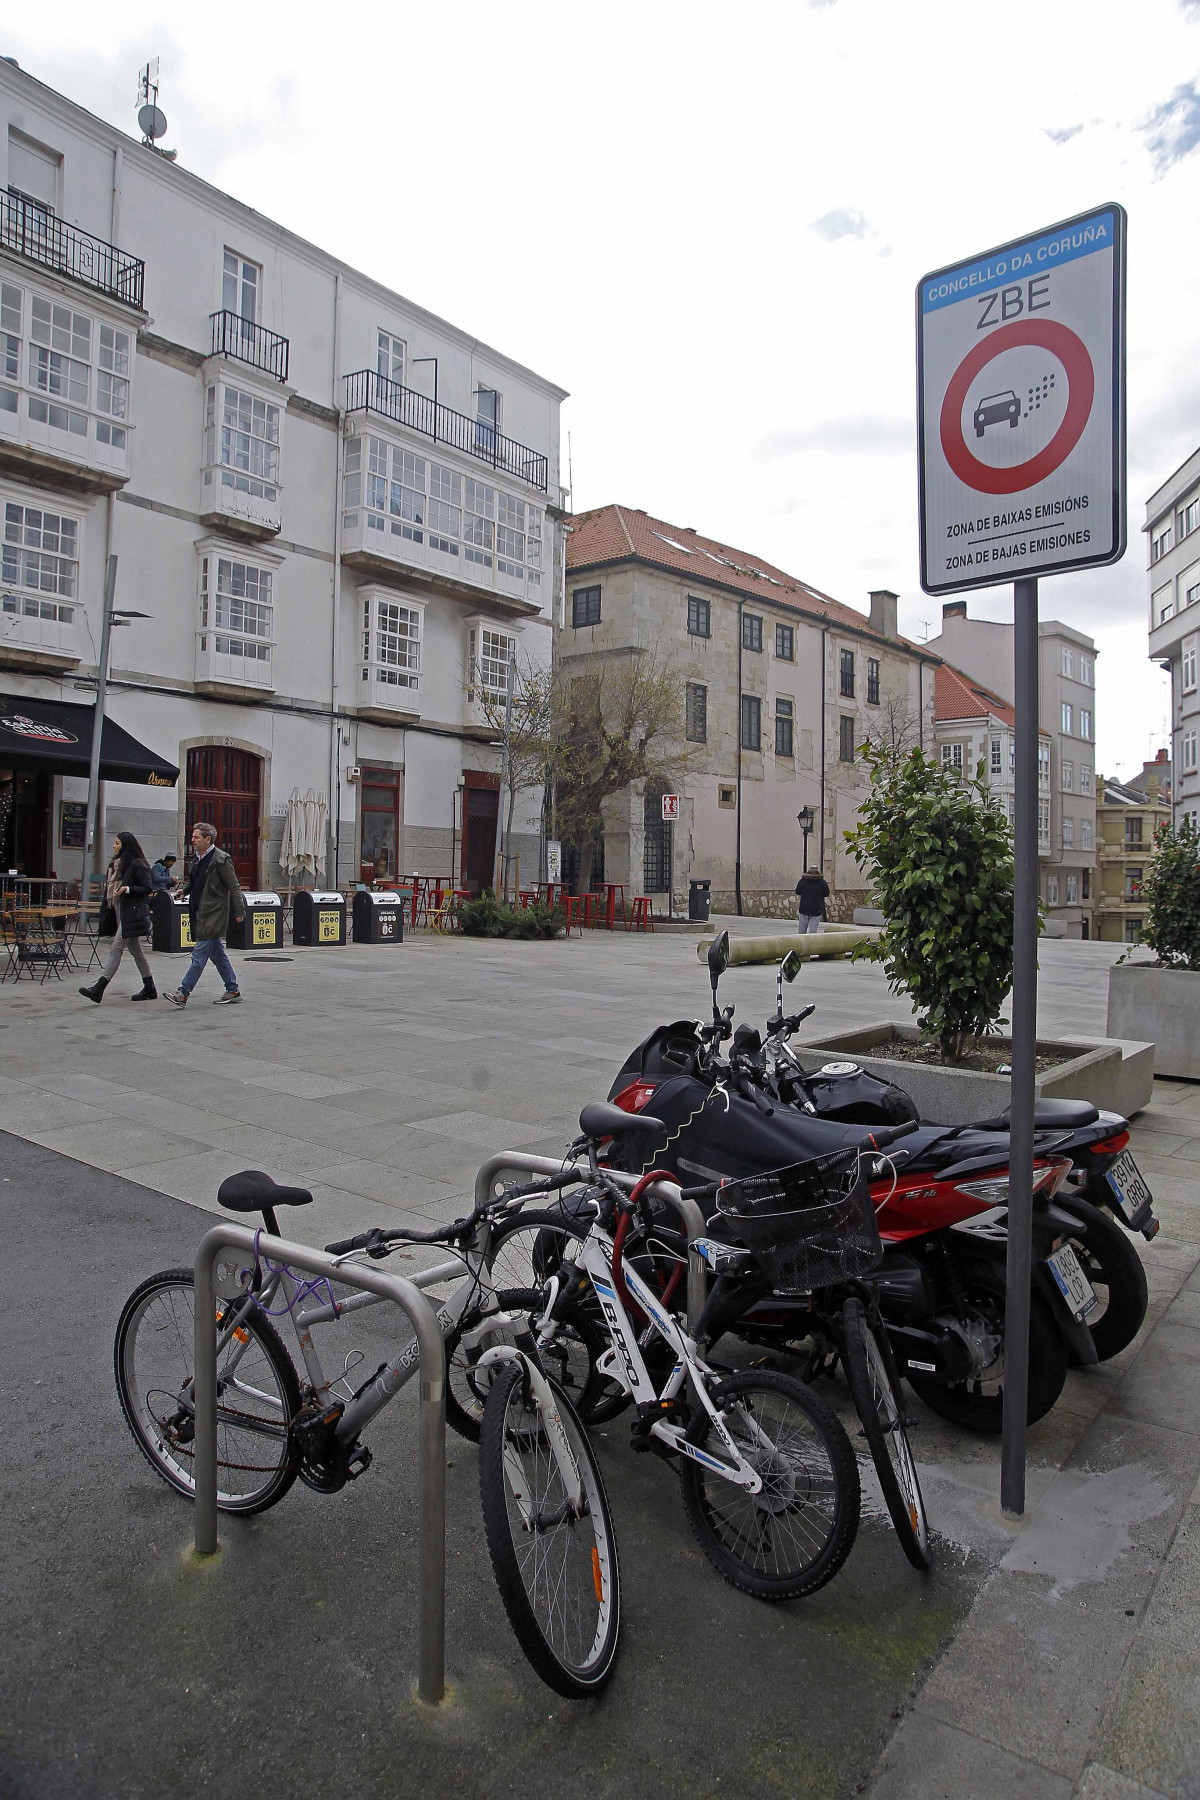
378,1243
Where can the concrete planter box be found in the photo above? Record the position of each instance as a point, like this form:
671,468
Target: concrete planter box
1163,1004
1115,1076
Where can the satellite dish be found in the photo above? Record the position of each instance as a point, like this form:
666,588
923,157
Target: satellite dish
152,122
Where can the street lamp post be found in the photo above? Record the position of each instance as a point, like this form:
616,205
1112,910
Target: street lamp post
804,818
111,617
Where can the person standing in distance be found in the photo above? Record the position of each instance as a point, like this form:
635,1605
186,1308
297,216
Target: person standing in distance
212,890
125,916
812,891
162,874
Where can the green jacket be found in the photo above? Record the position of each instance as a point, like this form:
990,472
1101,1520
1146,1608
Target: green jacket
210,913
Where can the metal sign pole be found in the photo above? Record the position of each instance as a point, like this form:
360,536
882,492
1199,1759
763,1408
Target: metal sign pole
1024,1049
89,830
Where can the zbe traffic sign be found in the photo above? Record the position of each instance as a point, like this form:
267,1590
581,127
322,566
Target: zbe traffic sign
1021,407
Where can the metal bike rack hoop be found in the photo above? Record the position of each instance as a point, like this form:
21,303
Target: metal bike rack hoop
522,1163
431,1682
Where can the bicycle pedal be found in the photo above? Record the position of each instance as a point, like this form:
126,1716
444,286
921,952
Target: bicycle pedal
359,1462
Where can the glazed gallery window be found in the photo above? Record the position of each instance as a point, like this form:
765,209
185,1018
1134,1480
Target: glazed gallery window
847,674
785,715
699,617
391,642
751,722
1043,821
41,558
112,385
585,606
60,356
241,436
489,653
236,603
845,740
751,631
696,709
785,643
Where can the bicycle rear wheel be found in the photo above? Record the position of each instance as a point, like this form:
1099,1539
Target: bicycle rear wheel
875,1395
257,1394
557,1573
793,1536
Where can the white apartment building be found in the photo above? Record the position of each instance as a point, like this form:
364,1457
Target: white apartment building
975,732
339,514
983,649
1172,518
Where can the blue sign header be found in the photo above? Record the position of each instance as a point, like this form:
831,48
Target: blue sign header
1031,256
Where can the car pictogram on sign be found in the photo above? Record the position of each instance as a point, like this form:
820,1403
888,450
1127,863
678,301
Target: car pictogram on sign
994,409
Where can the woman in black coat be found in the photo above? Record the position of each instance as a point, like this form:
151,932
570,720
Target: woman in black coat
812,891
125,916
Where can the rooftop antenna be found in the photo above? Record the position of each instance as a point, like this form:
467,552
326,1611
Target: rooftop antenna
570,470
152,121
925,625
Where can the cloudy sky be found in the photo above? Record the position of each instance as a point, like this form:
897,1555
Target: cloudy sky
708,221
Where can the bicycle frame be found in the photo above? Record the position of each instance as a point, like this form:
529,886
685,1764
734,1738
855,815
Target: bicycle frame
625,1363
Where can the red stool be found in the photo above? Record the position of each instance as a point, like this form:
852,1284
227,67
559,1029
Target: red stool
642,917
591,909
572,905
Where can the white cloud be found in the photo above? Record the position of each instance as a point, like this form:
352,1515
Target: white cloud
841,222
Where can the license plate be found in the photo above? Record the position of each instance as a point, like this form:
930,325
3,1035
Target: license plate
1072,1283
1129,1190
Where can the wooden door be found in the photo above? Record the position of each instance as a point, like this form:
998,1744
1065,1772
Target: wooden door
225,788
481,811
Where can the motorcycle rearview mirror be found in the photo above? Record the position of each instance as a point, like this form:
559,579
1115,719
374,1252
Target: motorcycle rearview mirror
718,962
791,965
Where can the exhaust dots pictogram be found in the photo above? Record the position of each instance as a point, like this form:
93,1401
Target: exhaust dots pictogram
1038,392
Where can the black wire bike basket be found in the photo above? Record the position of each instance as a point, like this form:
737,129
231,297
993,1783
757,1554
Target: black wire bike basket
810,1225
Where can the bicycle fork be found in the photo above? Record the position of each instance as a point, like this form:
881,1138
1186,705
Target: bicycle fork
560,1445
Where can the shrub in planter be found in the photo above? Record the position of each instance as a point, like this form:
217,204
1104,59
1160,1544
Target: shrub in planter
941,858
489,917
1171,891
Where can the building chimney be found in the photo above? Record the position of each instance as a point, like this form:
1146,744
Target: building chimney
954,609
883,612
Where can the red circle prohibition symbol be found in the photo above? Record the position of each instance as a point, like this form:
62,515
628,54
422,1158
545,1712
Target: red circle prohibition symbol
1072,353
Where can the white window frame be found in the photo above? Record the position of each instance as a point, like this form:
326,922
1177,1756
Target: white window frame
393,635
489,650
1043,762
1085,724
1052,890
1187,664
1162,541
1085,778
996,763
39,573
1072,890
1189,750
244,443
1085,835
1087,670
1043,820
1068,834
235,286
237,604
391,354
1068,717
1067,776
1068,662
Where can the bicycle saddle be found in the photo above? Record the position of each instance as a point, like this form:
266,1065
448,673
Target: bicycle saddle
600,1120
250,1190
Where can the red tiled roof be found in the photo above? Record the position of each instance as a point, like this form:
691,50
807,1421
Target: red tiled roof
956,696
612,534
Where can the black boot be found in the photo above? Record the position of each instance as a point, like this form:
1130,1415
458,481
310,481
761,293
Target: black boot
149,991
96,991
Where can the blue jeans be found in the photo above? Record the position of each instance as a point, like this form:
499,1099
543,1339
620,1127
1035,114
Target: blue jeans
209,950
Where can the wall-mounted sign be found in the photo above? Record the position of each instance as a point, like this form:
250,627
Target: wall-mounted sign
72,819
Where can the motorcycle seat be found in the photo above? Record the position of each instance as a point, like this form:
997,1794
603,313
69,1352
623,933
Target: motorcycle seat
600,1120
1048,1115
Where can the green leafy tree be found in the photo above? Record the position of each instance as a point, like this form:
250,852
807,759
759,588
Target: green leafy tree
1171,891
940,854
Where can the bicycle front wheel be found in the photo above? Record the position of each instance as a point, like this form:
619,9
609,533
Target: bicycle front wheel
257,1394
556,1570
878,1404
571,1359
792,1536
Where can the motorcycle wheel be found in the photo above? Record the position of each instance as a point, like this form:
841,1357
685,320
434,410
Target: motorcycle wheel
1114,1268
979,1407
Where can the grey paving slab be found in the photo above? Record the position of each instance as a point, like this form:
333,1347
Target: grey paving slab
928,1760
117,1143
1101,1783
34,1111
1152,1730
1163,1387
401,1188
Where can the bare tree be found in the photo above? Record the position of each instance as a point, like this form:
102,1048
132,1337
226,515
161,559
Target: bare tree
524,730
895,725
616,719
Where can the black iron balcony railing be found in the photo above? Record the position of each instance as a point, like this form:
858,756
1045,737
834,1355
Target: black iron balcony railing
368,392
32,230
249,343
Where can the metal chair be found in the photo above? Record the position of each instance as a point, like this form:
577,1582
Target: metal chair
39,946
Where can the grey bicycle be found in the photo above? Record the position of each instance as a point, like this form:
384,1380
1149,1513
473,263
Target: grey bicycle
277,1424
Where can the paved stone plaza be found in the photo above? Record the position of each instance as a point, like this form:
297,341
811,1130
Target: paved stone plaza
1056,1660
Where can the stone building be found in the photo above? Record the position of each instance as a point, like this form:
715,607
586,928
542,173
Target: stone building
1126,820
1067,718
781,684
335,515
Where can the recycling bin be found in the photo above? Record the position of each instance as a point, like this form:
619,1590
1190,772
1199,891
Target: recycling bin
699,899
262,926
378,918
170,926
318,917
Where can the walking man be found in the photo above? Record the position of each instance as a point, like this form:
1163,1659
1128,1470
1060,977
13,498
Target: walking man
212,889
812,891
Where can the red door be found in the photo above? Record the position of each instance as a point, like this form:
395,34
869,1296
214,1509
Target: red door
224,787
